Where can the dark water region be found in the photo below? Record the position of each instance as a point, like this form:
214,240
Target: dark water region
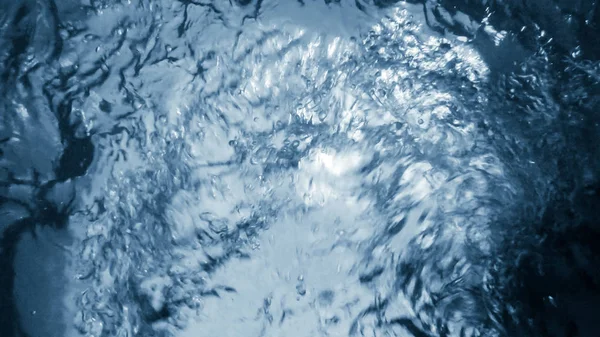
299,168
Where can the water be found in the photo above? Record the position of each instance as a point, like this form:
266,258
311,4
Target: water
310,168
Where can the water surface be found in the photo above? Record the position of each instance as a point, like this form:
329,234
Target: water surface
309,168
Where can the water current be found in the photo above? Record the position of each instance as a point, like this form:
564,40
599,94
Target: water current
299,168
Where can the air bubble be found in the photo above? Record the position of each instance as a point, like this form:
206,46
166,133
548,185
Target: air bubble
301,289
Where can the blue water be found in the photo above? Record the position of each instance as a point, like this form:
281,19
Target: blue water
299,168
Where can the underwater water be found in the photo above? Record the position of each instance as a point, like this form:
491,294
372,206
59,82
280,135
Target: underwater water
231,168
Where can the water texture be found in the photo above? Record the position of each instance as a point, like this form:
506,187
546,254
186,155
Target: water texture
299,168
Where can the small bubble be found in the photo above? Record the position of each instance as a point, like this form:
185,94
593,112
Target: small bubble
63,33
301,289
420,121
172,135
322,115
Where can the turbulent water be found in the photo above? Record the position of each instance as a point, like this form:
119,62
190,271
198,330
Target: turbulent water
299,168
